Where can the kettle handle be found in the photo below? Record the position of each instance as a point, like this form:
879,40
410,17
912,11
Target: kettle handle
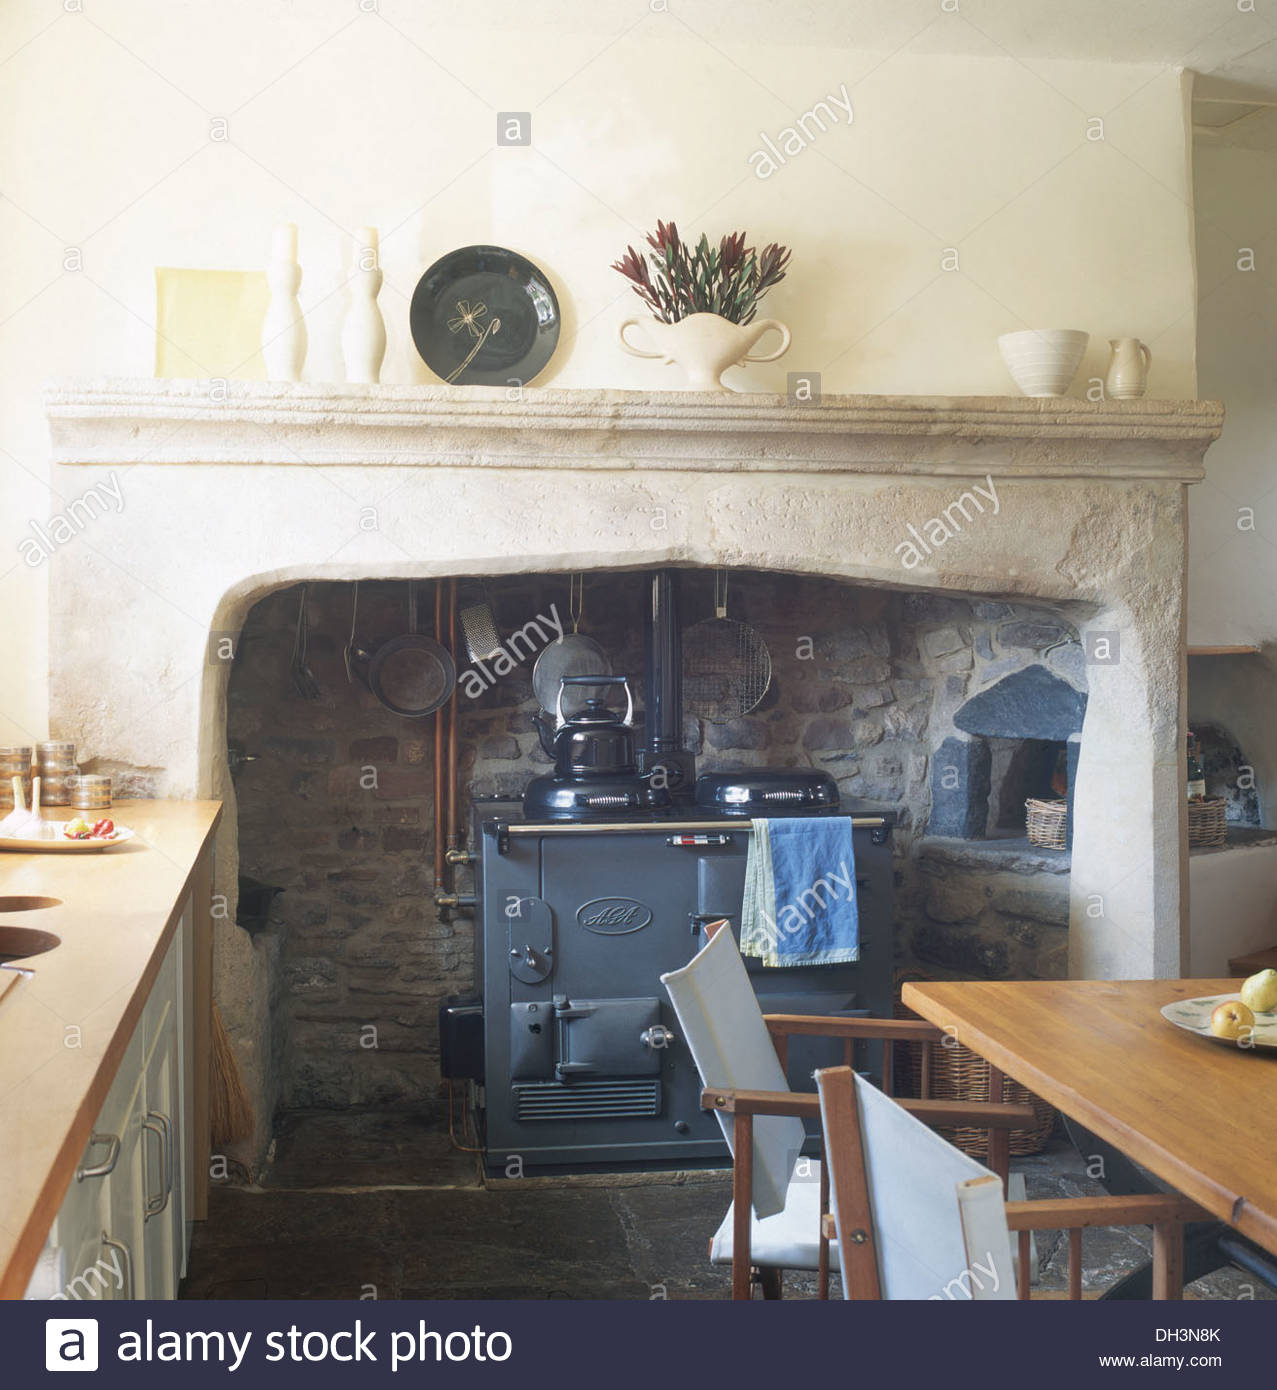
560,719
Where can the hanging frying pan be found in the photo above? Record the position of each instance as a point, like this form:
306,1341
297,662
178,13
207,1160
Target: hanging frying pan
573,654
726,665
412,675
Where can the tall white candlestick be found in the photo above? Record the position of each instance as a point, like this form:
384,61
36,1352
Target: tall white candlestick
284,330
363,335
283,244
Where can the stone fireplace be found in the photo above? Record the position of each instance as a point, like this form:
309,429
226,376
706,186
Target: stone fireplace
973,656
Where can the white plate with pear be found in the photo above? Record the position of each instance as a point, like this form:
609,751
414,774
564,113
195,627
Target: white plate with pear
1247,1019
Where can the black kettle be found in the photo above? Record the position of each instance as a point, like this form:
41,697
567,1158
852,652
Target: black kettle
595,766
595,741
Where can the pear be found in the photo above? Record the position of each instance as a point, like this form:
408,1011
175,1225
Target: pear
1260,992
1232,1019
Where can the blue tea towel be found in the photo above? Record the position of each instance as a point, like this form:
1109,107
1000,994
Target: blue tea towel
800,904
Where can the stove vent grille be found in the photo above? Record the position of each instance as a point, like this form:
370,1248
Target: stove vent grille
587,1100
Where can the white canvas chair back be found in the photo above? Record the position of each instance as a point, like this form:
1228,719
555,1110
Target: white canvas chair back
939,1223
721,1022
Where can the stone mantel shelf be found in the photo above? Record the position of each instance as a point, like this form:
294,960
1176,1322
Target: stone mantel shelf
152,421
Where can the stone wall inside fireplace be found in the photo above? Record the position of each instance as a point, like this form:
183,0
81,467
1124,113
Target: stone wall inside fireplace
336,809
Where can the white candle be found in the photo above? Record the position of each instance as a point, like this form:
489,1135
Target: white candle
366,237
283,245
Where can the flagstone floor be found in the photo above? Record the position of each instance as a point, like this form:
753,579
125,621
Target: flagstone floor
368,1205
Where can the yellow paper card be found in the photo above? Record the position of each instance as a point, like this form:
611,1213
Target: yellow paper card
209,323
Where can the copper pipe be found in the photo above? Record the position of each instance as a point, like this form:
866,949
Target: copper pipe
452,724
438,766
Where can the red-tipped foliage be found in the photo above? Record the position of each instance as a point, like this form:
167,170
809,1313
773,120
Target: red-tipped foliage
727,279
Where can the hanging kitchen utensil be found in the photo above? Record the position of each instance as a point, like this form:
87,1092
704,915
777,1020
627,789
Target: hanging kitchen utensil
726,665
412,675
355,657
573,654
479,629
304,682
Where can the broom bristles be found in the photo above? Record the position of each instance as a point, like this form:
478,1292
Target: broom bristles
230,1110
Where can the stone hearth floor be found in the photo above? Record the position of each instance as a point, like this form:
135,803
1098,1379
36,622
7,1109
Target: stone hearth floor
366,1204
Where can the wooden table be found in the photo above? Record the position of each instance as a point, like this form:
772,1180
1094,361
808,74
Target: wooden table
1199,1114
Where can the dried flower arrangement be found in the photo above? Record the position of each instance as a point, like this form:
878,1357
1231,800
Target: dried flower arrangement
728,280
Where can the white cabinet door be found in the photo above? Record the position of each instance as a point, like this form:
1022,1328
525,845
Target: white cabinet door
122,1234
164,1229
76,1258
123,1229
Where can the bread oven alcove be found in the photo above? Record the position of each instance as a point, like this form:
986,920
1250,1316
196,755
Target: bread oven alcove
286,484
1018,738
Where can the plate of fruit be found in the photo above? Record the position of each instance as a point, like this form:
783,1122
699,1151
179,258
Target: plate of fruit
76,836
1247,1019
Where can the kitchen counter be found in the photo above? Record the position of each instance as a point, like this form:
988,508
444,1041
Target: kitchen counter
64,1032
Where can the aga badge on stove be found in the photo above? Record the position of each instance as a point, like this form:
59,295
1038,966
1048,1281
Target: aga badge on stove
613,916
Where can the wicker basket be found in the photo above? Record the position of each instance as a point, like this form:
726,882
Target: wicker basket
1207,822
1048,823
957,1073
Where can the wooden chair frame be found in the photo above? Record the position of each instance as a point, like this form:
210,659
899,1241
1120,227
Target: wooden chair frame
996,1116
1167,1213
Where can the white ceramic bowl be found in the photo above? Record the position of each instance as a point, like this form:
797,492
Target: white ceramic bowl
1043,361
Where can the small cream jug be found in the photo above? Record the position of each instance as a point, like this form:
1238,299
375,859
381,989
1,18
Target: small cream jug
1128,369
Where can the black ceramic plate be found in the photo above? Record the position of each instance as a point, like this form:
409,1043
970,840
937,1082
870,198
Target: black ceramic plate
485,316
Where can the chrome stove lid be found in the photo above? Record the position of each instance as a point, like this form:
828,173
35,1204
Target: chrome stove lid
757,791
591,798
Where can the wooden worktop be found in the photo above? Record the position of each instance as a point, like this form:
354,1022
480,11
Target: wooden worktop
118,913
1200,1114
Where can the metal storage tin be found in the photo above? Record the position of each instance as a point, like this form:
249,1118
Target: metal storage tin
14,761
91,793
56,766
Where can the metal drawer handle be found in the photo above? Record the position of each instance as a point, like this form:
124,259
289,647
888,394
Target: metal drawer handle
127,1254
171,1168
158,1124
108,1163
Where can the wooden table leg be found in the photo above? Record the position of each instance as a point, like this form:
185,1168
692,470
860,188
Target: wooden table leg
1168,1260
999,1150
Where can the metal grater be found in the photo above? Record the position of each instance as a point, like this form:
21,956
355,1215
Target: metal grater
479,628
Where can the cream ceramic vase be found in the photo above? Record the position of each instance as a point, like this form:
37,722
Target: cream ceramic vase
363,334
284,330
1127,377
705,345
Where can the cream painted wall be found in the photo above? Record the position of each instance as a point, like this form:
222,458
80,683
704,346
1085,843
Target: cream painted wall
1233,559
339,113
1232,588
1233,908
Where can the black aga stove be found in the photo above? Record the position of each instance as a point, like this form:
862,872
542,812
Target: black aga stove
592,887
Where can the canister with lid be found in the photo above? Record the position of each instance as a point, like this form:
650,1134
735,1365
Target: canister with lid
56,765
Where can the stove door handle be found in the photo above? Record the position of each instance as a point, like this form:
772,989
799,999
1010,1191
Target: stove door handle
566,1069
657,1037
562,1009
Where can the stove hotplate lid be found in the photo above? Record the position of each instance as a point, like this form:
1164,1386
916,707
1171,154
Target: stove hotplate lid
593,798
754,791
